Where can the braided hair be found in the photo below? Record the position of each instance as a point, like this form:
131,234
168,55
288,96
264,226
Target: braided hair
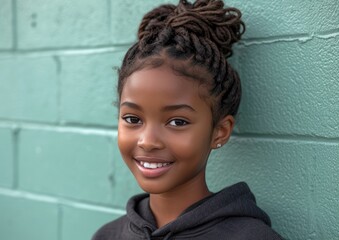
191,38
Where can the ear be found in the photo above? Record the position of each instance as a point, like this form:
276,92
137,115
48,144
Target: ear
222,131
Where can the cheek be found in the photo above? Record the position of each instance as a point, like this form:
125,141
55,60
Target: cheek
124,142
193,145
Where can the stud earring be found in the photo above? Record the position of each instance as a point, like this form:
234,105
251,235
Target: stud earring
219,145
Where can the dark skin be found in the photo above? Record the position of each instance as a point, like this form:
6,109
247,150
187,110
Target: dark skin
165,136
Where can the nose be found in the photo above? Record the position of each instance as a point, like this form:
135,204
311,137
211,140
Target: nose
150,139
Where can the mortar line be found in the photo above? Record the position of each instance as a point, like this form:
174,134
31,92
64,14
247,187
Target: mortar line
65,126
58,72
109,13
329,32
70,50
7,50
312,199
60,52
15,25
290,38
59,227
62,201
277,37
15,134
286,137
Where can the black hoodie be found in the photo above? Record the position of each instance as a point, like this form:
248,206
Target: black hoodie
230,214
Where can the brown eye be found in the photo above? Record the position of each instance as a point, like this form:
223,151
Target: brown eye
178,122
132,120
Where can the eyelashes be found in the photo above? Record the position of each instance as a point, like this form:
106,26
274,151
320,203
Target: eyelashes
132,120
174,122
178,122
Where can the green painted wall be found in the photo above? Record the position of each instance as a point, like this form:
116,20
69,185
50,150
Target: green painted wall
61,175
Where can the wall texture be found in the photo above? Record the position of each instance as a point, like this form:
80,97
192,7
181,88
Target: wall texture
61,175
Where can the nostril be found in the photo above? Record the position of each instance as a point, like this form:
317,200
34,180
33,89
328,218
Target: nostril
148,146
149,142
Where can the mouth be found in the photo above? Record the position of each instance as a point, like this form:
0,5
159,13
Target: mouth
152,167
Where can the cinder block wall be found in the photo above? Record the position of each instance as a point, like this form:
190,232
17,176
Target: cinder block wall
61,175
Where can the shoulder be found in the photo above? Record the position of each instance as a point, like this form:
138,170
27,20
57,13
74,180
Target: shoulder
251,228
112,230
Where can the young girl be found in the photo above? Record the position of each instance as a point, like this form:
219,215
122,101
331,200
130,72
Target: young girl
177,100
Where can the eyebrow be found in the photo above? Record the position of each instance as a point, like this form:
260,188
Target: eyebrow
177,107
165,109
131,105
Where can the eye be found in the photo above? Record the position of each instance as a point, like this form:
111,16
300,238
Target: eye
132,119
178,122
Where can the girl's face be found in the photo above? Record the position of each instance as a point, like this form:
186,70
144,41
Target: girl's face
165,130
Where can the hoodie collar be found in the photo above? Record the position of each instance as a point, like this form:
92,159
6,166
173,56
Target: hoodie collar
234,201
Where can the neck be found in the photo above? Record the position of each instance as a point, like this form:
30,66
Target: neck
166,207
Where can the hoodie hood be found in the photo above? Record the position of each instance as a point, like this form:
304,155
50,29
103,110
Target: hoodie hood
232,202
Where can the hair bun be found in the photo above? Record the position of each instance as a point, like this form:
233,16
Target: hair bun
209,18
154,21
203,18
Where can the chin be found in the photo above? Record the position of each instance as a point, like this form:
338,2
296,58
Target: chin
152,188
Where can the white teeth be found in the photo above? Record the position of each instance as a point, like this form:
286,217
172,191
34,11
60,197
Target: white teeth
153,165
146,165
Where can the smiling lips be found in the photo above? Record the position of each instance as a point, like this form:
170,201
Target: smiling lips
152,167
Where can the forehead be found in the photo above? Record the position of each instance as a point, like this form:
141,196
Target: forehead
162,84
